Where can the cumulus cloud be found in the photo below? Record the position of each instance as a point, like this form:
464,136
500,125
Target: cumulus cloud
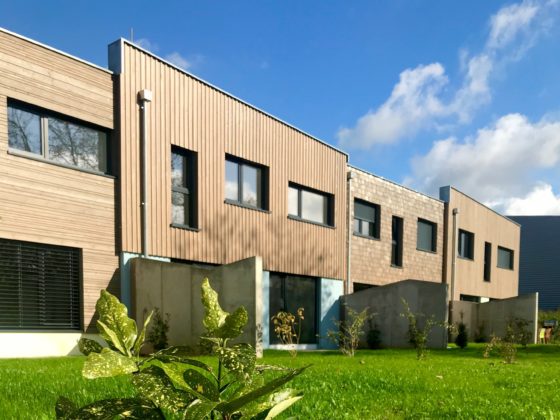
174,57
496,165
412,102
147,45
418,100
178,60
540,201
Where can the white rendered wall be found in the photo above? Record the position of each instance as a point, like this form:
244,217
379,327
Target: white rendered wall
41,344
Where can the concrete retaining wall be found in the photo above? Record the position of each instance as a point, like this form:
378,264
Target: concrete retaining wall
175,289
494,316
423,297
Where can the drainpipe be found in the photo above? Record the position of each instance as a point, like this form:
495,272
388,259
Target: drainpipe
453,261
349,177
144,96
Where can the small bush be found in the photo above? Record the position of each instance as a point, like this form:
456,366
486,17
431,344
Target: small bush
349,331
287,328
506,349
480,334
417,336
462,339
157,335
517,331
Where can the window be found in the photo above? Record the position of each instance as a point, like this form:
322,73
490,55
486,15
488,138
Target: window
183,187
57,139
426,236
466,244
311,205
288,293
366,219
39,286
487,260
397,241
246,183
505,258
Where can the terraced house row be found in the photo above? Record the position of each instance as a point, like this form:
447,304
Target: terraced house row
142,178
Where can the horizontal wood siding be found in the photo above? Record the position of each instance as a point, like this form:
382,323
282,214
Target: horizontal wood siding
44,203
193,115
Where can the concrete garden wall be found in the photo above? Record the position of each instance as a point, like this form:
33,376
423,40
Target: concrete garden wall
385,301
175,289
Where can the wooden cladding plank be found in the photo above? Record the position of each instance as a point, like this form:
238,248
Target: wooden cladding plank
188,113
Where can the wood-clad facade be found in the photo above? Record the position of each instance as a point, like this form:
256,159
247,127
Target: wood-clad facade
40,201
196,116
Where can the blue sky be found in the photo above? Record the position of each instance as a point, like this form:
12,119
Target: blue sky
424,93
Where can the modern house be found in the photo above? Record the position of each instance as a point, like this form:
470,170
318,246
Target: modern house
143,176
538,263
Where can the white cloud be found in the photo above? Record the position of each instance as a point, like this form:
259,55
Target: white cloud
417,101
413,101
496,165
540,201
147,45
178,60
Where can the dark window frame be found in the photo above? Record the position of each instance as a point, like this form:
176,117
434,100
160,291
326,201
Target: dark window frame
434,226
397,243
329,211
467,254
511,260
376,222
44,115
190,174
264,188
487,274
45,312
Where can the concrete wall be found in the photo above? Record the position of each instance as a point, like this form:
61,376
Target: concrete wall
495,315
423,297
43,344
371,258
175,289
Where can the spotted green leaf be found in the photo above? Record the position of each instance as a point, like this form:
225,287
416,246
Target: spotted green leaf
141,337
153,384
88,346
122,408
200,410
106,364
239,360
64,408
233,324
277,403
215,316
201,385
114,324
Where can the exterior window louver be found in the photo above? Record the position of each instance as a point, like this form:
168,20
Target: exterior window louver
39,287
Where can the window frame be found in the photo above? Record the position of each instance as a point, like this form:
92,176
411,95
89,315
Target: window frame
470,256
397,257
44,116
376,222
190,173
512,255
434,226
263,190
487,263
329,211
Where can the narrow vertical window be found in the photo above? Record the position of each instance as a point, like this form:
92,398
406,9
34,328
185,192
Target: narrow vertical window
487,260
397,241
465,245
426,238
366,219
183,187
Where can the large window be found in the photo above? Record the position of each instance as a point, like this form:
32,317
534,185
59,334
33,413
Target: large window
505,258
183,187
397,241
366,219
466,244
58,139
311,205
39,286
426,236
288,293
246,183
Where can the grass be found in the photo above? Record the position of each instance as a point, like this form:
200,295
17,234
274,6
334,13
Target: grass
384,384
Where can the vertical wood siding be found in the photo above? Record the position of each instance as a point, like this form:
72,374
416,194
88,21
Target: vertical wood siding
190,114
44,203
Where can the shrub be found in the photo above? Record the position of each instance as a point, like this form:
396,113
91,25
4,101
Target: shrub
287,328
480,333
418,336
169,384
158,331
373,336
349,332
517,331
462,339
506,349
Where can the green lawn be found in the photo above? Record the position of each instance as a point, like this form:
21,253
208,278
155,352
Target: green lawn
374,384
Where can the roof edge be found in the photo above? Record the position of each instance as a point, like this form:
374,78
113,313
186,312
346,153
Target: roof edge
396,183
48,47
256,108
